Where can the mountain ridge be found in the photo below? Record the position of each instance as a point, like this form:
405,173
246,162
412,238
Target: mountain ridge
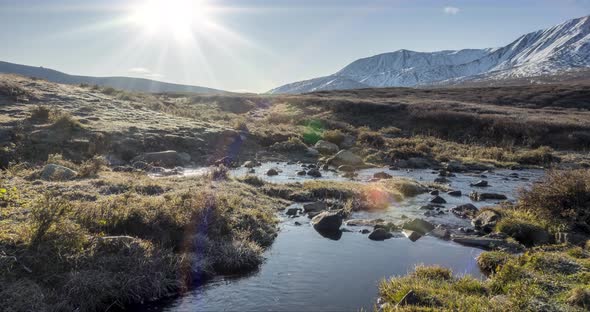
556,49
119,82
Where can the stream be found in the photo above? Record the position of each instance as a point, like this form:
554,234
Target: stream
305,271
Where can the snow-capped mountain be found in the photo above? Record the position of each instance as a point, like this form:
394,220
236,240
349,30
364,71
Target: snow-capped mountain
557,49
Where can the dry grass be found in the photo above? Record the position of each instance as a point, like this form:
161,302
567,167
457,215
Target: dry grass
57,244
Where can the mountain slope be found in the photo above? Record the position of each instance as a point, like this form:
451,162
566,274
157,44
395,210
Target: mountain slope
554,50
125,83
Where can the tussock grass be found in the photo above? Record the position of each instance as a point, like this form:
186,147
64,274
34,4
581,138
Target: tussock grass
530,281
111,249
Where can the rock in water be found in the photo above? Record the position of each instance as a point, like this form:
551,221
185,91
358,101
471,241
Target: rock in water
434,193
480,183
438,200
327,222
317,206
53,172
382,175
454,193
440,232
292,211
272,172
326,148
466,211
345,157
486,196
314,173
412,235
418,225
486,220
380,234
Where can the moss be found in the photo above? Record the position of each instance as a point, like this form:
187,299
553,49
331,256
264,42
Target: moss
523,231
489,262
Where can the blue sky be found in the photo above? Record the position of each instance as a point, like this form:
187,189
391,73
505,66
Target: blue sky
255,45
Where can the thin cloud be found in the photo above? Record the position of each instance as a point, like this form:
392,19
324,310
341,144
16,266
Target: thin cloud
144,72
451,10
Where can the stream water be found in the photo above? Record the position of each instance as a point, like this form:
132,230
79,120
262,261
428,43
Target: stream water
305,271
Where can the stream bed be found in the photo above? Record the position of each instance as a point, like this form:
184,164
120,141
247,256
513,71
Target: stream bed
306,271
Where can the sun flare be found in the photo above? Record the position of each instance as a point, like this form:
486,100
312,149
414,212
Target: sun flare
165,17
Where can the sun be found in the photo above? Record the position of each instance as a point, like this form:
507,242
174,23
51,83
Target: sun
169,17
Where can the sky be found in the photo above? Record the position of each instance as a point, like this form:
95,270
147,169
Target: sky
254,45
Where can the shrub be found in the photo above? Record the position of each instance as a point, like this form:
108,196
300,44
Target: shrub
64,121
540,156
218,173
253,180
489,262
40,113
560,197
91,168
293,144
580,296
58,159
390,131
334,136
109,90
371,138
526,233
46,213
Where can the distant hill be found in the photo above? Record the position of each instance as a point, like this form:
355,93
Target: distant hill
124,83
549,52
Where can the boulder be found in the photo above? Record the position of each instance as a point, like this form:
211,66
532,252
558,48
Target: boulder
317,206
438,200
251,164
440,232
314,173
346,168
301,173
466,211
454,193
418,225
326,148
363,222
327,221
380,234
488,243
345,157
272,172
168,159
382,175
53,172
486,196
412,235
434,193
312,152
480,183
292,211
486,220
